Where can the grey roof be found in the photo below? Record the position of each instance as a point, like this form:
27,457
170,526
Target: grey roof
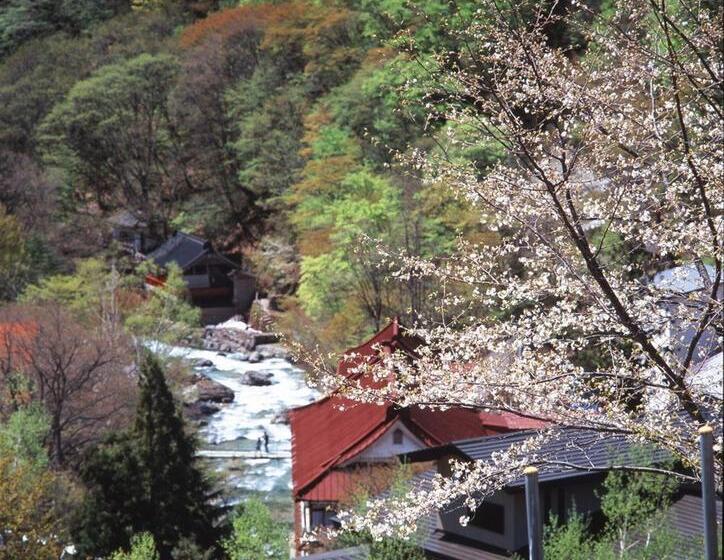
682,279
184,249
707,376
181,248
354,553
124,218
572,452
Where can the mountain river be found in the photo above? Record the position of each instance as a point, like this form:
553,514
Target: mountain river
238,424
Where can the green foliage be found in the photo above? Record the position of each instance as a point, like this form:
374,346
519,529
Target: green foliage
21,20
634,507
22,436
81,292
31,526
146,480
143,547
166,314
14,261
98,134
569,541
255,534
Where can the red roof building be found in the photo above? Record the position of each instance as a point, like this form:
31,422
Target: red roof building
335,441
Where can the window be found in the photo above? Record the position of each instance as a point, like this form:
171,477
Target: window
489,516
322,516
397,437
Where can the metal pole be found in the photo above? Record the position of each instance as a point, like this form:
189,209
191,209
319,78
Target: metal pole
706,442
533,513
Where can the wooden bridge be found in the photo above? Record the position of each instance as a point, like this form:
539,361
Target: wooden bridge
218,454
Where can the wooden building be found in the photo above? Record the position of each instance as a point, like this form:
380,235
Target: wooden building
338,443
216,284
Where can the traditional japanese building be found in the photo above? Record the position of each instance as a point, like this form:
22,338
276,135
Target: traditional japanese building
338,443
216,284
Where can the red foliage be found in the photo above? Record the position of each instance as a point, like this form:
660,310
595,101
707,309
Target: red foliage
231,22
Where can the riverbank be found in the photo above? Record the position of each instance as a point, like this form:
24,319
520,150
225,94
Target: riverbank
261,392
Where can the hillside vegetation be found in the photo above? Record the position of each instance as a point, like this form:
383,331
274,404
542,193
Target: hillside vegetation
273,129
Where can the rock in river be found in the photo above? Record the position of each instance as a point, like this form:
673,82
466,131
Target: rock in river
257,378
281,417
209,390
255,358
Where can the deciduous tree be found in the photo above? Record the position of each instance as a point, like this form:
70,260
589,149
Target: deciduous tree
114,137
622,141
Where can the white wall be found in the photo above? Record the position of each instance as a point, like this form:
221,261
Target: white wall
384,448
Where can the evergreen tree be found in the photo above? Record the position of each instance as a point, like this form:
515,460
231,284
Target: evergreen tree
146,480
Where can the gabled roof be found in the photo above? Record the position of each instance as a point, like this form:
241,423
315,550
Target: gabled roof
184,249
590,450
124,218
393,337
333,430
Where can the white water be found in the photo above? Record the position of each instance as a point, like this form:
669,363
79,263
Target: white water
238,425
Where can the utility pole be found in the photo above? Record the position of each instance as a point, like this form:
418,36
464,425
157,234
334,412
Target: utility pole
533,513
706,446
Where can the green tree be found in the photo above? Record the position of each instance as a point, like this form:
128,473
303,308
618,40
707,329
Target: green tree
14,261
634,508
146,480
21,20
30,525
166,315
22,436
255,534
115,140
84,292
143,547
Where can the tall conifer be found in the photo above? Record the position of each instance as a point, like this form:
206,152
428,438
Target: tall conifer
146,480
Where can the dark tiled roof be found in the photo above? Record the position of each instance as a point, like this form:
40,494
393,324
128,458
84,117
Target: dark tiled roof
587,449
124,218
181,248
355,553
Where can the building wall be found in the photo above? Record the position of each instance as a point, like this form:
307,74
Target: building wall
215,315
244,292
385,448
197,280
450,520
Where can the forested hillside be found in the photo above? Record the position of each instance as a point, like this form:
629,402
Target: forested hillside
271,128
534,185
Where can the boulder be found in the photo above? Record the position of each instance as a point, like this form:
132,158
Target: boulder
255,358
199,409
273,351
204,363
210,390
257,378
281,417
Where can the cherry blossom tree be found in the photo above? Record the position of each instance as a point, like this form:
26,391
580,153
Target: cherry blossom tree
613,171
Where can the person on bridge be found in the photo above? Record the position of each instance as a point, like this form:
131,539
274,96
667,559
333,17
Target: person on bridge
266,442
258,445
